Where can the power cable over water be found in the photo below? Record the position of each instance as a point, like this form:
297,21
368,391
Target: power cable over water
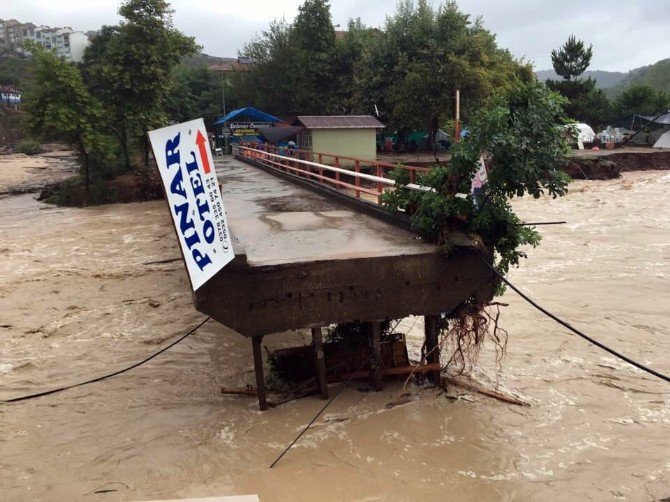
575,330
320,411
110,375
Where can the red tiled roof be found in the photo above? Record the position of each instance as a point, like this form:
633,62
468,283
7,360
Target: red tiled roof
235,65
340,122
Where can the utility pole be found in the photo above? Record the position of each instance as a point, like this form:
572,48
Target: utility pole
223,92
457,122
223,109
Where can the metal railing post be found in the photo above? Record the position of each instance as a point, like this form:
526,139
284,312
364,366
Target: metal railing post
380,189
337,175
358,180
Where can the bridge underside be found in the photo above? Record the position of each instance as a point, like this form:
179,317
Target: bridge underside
261,300
305,260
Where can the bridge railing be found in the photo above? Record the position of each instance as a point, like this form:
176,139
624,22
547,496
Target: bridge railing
302,163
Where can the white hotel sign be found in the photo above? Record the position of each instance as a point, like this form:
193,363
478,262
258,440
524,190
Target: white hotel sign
186,167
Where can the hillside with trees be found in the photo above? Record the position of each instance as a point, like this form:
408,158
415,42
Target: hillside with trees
604,79
656,76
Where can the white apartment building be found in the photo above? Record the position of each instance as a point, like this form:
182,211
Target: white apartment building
66,42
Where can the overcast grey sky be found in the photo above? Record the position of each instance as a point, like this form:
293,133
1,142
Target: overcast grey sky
624,35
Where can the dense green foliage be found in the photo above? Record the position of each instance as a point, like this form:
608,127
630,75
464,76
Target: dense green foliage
17,71
105,106
520,132
423,56
572,59
289,75
643,100
313,40
585,102
196,92
61,104
128,68
29,147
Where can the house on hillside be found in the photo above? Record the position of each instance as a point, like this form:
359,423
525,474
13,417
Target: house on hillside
231,65
346,135
9,96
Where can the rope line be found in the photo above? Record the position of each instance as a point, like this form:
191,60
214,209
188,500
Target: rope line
575,330
320,412
110,375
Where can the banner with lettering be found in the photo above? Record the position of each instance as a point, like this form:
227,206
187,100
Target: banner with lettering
184,159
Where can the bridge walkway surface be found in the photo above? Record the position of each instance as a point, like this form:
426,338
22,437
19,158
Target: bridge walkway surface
308,257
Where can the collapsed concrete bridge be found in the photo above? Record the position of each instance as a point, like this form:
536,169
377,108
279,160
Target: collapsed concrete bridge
309,255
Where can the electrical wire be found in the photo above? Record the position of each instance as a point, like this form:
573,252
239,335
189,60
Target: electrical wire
575,330
536,223
110,375
321,411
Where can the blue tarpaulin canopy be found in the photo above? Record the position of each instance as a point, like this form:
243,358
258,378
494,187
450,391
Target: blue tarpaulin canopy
247,114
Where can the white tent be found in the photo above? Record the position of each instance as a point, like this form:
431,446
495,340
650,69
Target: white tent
585,132
663,141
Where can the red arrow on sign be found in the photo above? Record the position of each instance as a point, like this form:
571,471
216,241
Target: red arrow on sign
201,141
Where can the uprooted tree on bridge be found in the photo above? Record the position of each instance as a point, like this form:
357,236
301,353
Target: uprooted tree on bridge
519,133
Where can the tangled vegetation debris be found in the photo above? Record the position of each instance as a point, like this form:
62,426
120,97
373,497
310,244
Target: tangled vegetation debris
519,135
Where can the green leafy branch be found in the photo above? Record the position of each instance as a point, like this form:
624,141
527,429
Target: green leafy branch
519,134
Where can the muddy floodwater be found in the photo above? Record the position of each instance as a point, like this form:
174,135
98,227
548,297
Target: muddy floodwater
80,296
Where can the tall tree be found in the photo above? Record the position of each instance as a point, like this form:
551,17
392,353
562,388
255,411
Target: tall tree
349,50
272,81
294,64
424,55
60,103
129,69
196,92
572,59
313,38
585,102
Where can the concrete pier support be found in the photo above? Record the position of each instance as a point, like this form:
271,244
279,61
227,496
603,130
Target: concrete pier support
319,362
375,340
260,376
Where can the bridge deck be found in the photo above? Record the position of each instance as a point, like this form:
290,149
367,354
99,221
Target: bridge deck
279,222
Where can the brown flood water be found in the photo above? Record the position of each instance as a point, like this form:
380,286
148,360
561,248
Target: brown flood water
77,299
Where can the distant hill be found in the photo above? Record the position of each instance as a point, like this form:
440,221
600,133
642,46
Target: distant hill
204,60
604,79
656,76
